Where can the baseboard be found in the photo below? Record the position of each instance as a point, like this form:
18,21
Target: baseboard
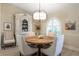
71,47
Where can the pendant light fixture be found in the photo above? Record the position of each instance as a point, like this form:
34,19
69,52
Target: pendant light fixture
39,15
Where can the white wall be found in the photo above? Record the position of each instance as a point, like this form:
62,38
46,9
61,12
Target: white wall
7,13
69,12
0,23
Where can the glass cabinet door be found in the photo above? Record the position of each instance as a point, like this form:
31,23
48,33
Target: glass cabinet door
24,25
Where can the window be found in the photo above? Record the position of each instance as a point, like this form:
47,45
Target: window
54,26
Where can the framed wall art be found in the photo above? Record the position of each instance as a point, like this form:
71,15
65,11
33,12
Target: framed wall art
7,26
70,25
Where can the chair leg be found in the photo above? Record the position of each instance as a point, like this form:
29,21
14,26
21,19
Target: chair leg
20,54
59,54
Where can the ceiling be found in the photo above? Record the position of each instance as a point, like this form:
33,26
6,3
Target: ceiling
49,8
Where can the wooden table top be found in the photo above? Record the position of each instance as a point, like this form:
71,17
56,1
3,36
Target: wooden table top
37,40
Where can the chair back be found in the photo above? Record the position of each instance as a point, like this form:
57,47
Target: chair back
8,35
56,48
59,44
31,34
51,34
23,46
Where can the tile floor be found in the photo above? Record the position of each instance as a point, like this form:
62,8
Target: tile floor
9,52
15,52
68,52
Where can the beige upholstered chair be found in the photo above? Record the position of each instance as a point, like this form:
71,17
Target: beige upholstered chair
8,39
59,45
30,34
50,34
23,46
56,48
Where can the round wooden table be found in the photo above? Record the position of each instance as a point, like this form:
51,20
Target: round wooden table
40,41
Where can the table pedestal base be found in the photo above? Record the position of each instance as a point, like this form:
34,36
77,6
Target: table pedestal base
39,51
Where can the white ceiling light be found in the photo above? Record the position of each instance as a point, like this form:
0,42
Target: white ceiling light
42,15
36,16
39,15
